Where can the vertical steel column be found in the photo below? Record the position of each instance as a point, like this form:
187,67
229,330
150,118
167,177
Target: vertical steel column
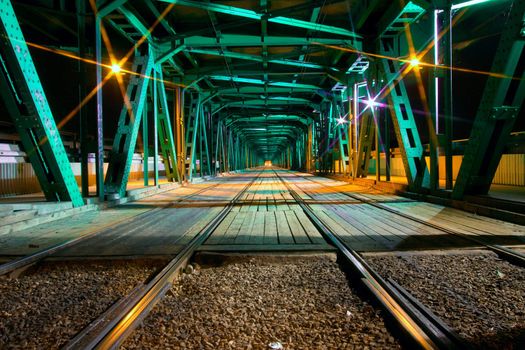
387,145
82,113
99,154
448,106
165,132
500,105
155,128
27,105
180,140
121,155
145,143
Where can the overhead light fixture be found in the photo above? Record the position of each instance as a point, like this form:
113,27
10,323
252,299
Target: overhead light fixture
370,103
414,62
115,68
468,3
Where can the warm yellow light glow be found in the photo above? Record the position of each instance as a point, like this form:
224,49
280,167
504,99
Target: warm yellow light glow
115,68
414,62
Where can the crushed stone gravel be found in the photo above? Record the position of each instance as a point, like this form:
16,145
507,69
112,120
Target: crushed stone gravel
301,303
479,296
47,306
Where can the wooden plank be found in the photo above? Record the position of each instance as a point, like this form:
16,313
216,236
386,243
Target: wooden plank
244,232
270,228
309,228
298,233
283,229
267,247
257,232
468,220
336,227
233,230
220,231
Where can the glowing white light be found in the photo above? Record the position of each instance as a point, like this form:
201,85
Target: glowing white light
115,68
414,62
341,120
371,103
468,3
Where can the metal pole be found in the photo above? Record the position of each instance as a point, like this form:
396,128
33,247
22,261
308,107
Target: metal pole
145,142
155,131
84,150
99,155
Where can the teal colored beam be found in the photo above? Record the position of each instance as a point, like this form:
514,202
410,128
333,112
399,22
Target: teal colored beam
269,103
26,103
461,5
248,57
121,155
263,90
110,7
135,22
236,79
165,132
237,11
235,40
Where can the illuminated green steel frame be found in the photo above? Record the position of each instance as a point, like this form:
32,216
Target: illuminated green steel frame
27,104
165,131
126,134
407,134
498,110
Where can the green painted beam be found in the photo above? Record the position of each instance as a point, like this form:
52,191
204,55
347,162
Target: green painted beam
268,103
248,57
237,79
121,154
26,103
237,11
237,40
263,90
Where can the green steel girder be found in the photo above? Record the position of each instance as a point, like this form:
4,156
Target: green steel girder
26,102
237,11
248,57
407,134
264,90
407,15
263,103
192,131
498,110
269,118
125,139
365,142
237,79
237,40
165,131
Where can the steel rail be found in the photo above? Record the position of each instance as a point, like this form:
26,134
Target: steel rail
112,328
427,332
148,215
503,252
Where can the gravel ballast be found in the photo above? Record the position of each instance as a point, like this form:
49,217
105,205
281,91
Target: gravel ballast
46,307
264,303
478,295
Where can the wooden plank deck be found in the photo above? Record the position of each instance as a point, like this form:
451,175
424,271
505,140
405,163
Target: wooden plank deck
266,218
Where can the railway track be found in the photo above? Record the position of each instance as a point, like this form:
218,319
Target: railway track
419,323
134,223
502,251
111,328
475,293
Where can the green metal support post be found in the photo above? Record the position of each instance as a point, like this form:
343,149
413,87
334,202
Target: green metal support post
145,143
498,110
121,155
26,102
